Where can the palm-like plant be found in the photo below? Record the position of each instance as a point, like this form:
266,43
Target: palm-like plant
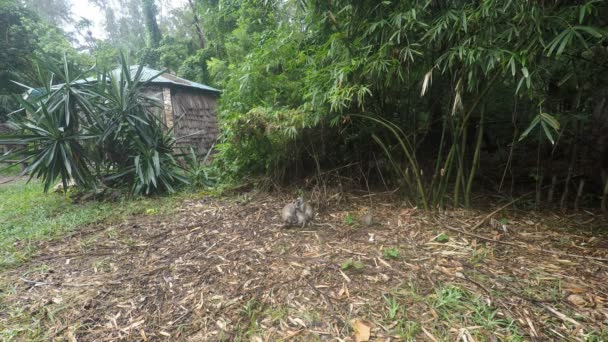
53,149
49,128
96,131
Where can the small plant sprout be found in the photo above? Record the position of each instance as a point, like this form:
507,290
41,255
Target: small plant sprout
151,211
349,219
352,264
390,253
392,307
443,237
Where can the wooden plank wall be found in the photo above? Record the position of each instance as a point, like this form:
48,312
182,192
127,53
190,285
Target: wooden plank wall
195,119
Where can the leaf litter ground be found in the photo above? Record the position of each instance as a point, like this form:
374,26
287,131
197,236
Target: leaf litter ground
224,269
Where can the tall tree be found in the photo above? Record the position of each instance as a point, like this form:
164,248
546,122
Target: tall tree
154,35
55,12
25,37
16,47
197,24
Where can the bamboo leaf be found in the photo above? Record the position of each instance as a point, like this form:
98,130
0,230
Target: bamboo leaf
532,125
564,43
428,79
547,132
590,30
550,120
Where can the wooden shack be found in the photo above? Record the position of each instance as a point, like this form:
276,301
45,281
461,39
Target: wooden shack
186,107
189,108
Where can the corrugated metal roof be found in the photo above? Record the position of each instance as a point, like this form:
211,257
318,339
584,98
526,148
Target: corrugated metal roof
146,76
148,73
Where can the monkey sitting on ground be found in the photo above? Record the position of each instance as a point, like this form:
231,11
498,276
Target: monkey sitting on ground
297,213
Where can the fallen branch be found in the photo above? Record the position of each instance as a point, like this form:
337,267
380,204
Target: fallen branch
10,180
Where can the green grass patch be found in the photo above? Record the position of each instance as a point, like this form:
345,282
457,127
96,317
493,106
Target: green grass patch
27,216
390,253
10,170
455,308
459,308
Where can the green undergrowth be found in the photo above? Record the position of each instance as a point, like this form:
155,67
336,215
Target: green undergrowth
29,216
456,310
10,170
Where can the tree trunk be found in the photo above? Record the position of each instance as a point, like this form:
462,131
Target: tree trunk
599,136
197,25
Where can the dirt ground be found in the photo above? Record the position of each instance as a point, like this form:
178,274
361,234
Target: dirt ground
224,269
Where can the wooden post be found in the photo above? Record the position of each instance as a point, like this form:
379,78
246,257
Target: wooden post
168,107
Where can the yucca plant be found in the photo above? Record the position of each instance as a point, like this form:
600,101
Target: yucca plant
48,128
53,149
95,131
138,149
197,171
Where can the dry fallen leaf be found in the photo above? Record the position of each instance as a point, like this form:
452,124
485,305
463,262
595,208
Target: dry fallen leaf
362,330
577,300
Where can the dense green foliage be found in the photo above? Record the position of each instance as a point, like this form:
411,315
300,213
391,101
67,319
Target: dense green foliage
308,84
425,95
27,37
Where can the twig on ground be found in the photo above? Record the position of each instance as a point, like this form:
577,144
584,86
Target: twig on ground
487,217
41,283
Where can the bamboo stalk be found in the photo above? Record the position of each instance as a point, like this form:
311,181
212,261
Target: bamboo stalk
460,173
605,197
539,172
579,194
467,194
539,192
447,171
438,174
512,147
552,189
562,204
462,130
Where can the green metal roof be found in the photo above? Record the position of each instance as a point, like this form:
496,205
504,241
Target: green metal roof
148,73
146,76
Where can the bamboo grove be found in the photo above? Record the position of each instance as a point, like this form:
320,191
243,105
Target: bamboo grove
439,98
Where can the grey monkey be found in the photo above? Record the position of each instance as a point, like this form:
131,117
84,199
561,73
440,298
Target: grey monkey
304,212
289,214
297,213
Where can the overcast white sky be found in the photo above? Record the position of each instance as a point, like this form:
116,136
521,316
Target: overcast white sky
82,8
